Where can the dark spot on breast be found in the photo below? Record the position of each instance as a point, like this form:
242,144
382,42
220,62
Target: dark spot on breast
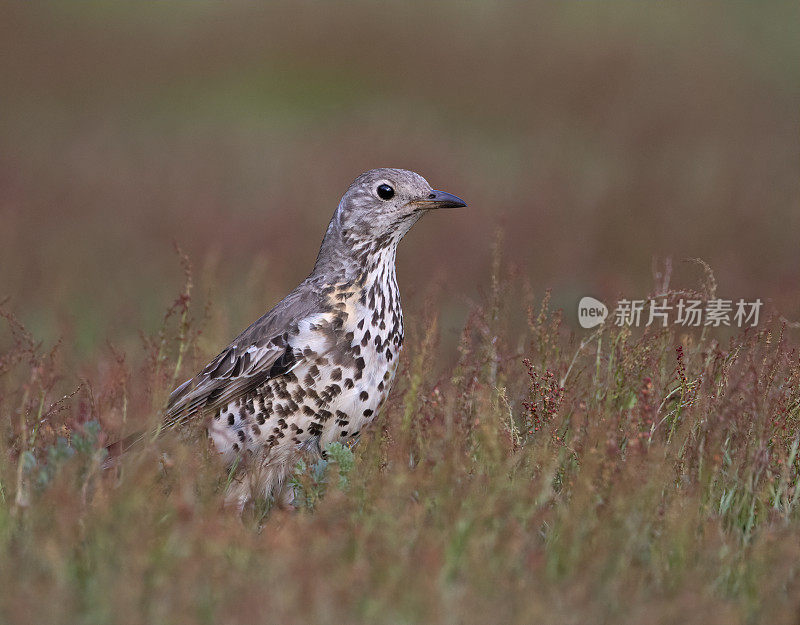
364,396
231,419
261,417
344,433
348,383
336,374
240,433
368,413
360,363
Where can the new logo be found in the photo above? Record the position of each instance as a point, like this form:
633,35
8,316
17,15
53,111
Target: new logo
591,312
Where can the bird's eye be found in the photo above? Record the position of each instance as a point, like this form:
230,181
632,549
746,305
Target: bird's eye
385,192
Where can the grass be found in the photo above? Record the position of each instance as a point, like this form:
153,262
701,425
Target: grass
617,478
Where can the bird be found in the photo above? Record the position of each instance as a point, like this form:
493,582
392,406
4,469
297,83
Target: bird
316,368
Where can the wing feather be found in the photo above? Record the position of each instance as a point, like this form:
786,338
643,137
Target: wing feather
230,375
261,352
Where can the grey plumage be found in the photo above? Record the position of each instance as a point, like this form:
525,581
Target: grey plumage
318,366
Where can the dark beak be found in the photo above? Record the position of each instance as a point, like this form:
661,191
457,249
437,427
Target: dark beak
442,199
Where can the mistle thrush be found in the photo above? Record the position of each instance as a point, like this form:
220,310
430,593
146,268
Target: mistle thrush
316,368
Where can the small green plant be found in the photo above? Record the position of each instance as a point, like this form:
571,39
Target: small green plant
310,482
81,448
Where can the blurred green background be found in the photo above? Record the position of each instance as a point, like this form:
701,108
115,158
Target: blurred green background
595,136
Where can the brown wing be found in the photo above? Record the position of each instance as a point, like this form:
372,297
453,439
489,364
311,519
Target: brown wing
234,373
258,354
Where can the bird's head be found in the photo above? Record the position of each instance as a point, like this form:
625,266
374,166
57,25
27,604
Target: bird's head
377,210
386,202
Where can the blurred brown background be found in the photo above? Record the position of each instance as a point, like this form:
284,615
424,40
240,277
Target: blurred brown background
595,136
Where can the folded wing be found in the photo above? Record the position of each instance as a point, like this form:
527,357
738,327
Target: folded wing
260,353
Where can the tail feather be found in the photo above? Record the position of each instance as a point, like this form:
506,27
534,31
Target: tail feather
115,450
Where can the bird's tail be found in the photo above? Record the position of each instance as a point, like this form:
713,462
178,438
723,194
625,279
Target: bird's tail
115,450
